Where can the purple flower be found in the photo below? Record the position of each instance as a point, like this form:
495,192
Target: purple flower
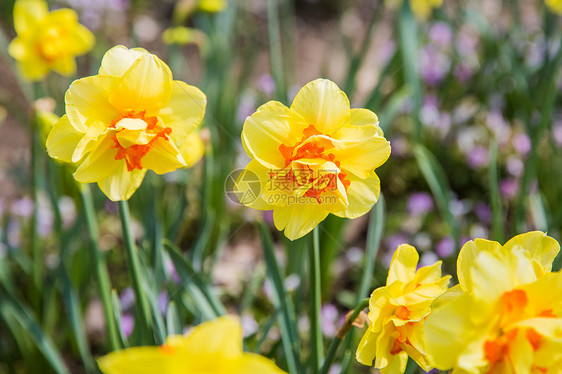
428,258
420,203
440,33
266,83
246,107
498,125
23,207
463,72
127,324
445,247
509,188
127,298
522,144
171,269
392,242
466,43
434,65
267,216
515,166
483,212
163,302
329,315
478,157
249,325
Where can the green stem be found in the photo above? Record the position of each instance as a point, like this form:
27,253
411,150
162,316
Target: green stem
134,266
316,346
336,342
102,275
275,53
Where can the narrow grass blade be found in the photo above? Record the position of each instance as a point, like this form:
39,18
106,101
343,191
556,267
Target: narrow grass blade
436,179
26,319
282,303
173,320
209,305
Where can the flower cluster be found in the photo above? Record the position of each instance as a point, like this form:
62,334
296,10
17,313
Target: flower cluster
504,316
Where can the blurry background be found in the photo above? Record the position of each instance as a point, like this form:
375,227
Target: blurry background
467,97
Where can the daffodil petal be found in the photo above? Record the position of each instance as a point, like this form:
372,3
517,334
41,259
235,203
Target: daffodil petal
138,360
18,49
362,194
468,254
86,102
448,330
121,184
28,13
62,140
184,112
403,264
192,148
119,59
298,219
251,363
323,105
361,151
222,336
272,125
100,163
81,40
249,185
541,247
33,68
65,65
366,349
147,85
163,157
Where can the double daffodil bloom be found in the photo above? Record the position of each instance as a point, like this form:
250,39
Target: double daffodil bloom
47,40
312,159
213,347
397,312
129,118
554,5
505,316
421,8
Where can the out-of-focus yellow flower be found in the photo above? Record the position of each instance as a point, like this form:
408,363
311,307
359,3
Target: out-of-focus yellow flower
554,5
421,8
312,159
182,35
185,8
397,312
129,118
506,314
47,40
212,6
213,347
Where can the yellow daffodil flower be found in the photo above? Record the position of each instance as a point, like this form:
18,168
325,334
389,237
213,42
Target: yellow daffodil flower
505,316
129,118
213,347
315,158
554,5
182,35
397,312
47,40
421,8
212,6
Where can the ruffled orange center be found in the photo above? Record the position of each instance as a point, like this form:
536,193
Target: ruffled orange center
512,308
311,147
133,153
